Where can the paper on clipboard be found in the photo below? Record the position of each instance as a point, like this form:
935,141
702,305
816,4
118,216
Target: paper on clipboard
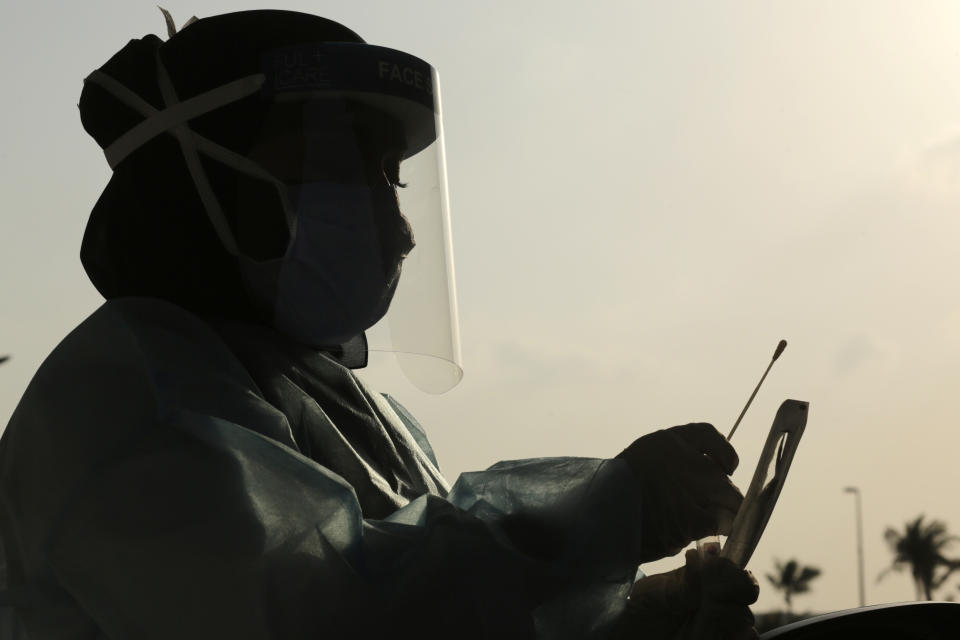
758,504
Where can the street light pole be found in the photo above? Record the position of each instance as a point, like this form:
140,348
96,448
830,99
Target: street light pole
856,492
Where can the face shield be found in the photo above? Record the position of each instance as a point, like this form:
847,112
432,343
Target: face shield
349,167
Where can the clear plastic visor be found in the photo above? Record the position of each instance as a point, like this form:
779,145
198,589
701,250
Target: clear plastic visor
422,326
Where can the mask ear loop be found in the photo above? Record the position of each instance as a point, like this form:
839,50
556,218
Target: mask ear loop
188,147
174,119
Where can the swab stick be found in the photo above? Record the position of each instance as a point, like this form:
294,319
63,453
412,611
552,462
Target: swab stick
776,354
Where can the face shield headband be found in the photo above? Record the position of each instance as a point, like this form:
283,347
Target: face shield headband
421,327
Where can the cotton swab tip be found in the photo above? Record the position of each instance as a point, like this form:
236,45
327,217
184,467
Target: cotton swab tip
780,347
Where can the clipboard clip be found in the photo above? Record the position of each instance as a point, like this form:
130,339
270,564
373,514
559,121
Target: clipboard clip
761,498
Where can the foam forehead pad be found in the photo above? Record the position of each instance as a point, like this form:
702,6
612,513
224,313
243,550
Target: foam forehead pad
395,83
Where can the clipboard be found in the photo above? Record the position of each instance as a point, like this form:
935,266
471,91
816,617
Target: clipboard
761,498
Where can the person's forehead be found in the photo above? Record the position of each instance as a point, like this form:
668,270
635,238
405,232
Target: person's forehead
332,116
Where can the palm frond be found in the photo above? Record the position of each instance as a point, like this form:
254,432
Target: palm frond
894,567
920,546
808,573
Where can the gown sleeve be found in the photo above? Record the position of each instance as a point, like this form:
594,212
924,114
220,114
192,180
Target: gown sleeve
132,485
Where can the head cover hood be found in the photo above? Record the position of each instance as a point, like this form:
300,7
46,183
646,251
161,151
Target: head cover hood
190,217
149,233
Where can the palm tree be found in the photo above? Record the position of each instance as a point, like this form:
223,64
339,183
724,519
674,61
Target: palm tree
792,579
920,546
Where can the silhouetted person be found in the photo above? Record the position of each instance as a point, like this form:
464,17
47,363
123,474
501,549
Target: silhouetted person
197,459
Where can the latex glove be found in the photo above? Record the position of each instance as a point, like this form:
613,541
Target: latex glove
708,599
686,492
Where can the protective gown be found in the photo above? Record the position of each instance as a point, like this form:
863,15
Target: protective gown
172,476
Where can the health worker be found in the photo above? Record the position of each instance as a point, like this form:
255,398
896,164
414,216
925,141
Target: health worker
198,458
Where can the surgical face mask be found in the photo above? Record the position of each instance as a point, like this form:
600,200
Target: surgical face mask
336,279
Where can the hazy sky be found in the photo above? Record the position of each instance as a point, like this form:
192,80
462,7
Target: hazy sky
646,196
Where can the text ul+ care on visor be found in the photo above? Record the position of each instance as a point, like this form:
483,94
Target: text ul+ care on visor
407,75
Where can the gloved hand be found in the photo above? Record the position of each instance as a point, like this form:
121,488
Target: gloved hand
708,599
686,492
